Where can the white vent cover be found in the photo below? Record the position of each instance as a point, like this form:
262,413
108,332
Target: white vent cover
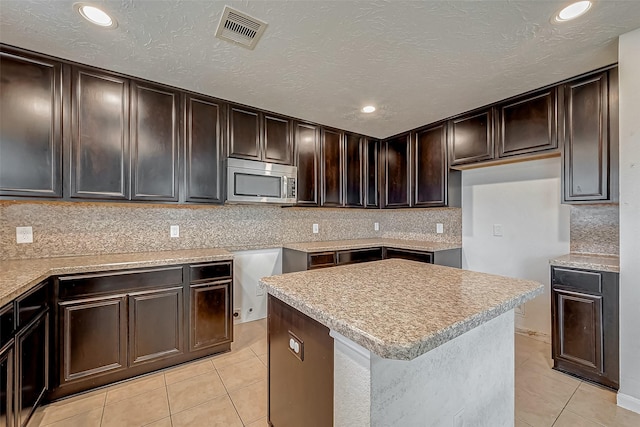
240,28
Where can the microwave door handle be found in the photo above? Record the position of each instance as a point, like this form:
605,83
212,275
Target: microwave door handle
284,187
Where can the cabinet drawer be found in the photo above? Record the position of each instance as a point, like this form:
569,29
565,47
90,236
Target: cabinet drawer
358,255
116,282
583,280
31,304
6,324
321,259
409,255
218,270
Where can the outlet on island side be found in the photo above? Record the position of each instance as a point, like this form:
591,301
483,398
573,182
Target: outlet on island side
24,235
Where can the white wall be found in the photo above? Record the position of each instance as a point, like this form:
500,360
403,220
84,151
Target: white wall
248,268
525,199
629,69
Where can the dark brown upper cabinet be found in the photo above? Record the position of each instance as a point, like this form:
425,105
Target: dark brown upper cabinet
331,154
588,170
430,160
528,124
30,125
155,132
203,150
255,135
372,173
277,139
99,135
354,162
471,137
397,172
307,144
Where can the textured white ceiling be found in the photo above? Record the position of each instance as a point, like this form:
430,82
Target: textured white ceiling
322,61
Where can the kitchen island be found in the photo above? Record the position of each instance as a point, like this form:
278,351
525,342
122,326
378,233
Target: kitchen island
412,344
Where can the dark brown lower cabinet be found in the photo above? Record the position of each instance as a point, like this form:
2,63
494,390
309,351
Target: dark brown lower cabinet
111,326
300,384
32,379
149,313
6,386
585,324
211,314
92,337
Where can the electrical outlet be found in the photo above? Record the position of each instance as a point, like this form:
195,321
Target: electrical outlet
497,230
175,231
439,228
24,235
315,228
376,226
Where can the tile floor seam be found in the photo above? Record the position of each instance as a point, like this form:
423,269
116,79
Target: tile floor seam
166,391
103,405
565,405
231,400
589,419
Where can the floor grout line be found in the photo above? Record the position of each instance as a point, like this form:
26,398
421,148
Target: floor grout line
565,405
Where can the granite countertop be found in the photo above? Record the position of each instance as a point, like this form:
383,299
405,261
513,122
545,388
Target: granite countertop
337,245
20,275
400,309
588,262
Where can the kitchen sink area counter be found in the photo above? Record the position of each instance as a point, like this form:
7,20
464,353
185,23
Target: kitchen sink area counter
18,276
336,245
588,262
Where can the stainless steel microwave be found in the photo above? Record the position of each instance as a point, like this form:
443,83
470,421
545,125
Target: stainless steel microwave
250,181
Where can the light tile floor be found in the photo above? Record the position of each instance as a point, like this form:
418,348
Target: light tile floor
546,398
231,390
226,390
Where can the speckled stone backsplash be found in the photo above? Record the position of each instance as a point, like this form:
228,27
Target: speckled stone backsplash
595,229
62,229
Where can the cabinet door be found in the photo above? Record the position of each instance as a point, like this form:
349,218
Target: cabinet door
203,150
307,149
331,153
430,185
586,144
372,174
6,387
397,155
354,171
210,317
577,322
471,138
155,124
244,133
277,139
528,124
32,349
93,337
30,126
100,136
155,325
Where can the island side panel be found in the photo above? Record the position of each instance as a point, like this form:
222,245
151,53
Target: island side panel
471,377
300,390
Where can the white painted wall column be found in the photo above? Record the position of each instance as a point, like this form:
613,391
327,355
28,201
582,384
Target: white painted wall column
629,73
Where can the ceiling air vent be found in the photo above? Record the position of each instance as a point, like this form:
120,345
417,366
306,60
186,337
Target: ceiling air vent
240,28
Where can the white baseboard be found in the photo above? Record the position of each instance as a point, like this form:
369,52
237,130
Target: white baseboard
536,335
629,402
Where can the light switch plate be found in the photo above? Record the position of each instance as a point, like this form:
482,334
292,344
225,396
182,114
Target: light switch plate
24,235
175,231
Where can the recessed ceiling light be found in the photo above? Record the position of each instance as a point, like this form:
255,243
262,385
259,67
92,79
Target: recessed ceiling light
368,109
95,15
574,10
